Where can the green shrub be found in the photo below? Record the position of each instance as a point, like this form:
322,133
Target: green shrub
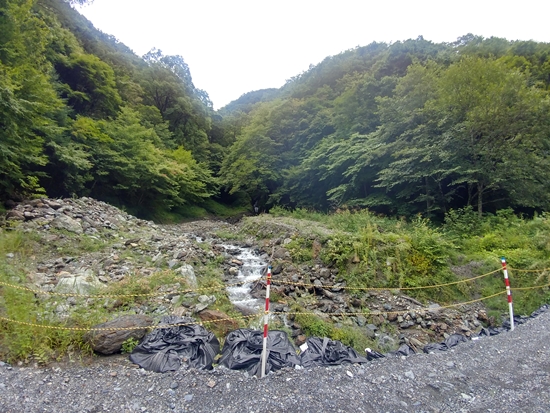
353,337
300,249
129,345
314,326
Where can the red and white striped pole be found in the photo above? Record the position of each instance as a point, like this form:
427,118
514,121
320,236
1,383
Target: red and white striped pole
508,292
266,320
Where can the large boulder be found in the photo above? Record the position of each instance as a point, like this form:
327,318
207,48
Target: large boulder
83,283
126,327
67,223
15,215
188,273
221,321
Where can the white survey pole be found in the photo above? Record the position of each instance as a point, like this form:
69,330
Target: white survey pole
508,292
266,320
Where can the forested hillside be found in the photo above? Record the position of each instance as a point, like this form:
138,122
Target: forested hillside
82,115
403,128
411,127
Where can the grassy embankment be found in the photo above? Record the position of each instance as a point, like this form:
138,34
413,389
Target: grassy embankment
375,251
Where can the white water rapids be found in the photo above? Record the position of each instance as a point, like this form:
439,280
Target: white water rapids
249,272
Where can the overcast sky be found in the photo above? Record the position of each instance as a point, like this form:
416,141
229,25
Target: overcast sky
236,46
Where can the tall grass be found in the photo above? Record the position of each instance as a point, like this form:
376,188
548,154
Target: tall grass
374,251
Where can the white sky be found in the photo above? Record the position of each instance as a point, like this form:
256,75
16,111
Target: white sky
236,46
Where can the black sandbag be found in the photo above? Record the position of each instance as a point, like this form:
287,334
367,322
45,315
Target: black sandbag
433,347
450,342
542,309
491,331
242,350
327,352
373,355
403,350
454,340
518,319
164,349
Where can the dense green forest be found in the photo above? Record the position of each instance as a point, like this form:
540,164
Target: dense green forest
403,128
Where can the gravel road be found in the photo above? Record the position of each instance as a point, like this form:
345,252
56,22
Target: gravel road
509,372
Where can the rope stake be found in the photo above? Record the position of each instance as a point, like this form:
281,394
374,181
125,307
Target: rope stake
508,292
266,321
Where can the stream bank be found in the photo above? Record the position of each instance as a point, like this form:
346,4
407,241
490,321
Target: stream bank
90,243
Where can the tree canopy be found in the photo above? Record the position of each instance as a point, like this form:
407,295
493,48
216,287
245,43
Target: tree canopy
412,127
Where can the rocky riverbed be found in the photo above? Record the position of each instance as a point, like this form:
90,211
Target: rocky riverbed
119,245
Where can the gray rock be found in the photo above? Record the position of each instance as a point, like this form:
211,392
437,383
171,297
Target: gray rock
370,333
84,283
200,307
209,299
67,223
15,215
372,327
406,324
52,204
110,341
409,374
361,321
387,342
280,253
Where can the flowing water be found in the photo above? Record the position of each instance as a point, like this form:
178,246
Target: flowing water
249,273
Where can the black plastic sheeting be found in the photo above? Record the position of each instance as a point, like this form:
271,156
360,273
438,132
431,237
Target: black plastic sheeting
242,350
542,309
455,339
450,342
165,349
403,350
373,355
493,331
327,352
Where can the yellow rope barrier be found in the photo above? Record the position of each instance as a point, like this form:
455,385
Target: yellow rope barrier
163,326
530,288
518,270
155,294
153,327
274,281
